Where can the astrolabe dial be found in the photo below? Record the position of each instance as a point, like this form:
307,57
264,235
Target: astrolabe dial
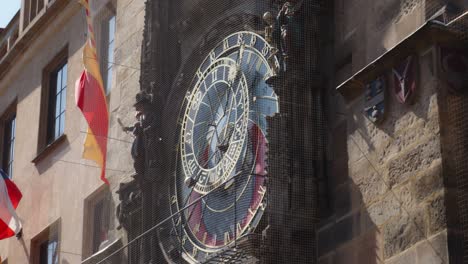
219,191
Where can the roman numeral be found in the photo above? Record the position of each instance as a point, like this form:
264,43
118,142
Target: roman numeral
238,229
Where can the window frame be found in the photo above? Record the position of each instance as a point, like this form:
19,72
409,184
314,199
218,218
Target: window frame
29,14
107,65
57,63
102,24
7,116
44,236
104,195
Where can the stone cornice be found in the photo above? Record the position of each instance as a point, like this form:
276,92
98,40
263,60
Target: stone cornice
430,33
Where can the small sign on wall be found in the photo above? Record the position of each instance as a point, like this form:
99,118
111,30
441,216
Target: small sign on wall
374,102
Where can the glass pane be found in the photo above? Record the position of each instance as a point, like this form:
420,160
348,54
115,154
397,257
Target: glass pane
13,128
57,128
57,105
10,170
110,53
111,29
58,83
62,124
12,152
63,101
109,80
52,257
64,76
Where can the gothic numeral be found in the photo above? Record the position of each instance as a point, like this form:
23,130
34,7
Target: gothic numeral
240,39
226,44
212,56
238,229
194,251
173,199
214,75
227,238
253,40
265,49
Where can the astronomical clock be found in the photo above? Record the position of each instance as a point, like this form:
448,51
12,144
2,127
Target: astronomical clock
212,187
219,179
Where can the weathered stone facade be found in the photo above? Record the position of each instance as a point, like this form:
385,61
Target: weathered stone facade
389,181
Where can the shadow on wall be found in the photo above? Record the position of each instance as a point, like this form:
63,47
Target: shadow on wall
385,179
348,235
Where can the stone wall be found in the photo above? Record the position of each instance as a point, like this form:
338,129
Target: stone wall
386,181
389,204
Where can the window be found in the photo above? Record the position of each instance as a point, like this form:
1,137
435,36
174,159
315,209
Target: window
98,221
57,103
45,246
100,224
8,142
48,253
54,102
107,51
31,9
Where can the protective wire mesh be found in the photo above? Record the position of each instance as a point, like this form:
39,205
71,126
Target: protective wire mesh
229,172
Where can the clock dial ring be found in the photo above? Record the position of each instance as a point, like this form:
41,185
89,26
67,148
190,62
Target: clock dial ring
202,234
191,162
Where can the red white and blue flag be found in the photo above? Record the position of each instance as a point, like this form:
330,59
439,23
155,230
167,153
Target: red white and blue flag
10,197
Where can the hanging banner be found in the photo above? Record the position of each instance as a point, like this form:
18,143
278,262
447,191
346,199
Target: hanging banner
405,79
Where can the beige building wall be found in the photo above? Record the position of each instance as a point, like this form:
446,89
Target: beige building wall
56,187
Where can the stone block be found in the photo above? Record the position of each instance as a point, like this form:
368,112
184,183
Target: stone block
383,210
402,233
430,181
433,251
417,159
436,215
369,182
407,257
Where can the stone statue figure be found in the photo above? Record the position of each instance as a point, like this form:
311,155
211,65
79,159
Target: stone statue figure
286,35
289,33
146,122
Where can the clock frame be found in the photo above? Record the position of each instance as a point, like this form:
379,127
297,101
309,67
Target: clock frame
228,198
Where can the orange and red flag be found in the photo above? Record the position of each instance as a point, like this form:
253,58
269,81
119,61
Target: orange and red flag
91,99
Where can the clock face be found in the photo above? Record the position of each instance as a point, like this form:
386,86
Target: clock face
222,147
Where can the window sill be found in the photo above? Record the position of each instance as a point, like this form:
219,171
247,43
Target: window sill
49,148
